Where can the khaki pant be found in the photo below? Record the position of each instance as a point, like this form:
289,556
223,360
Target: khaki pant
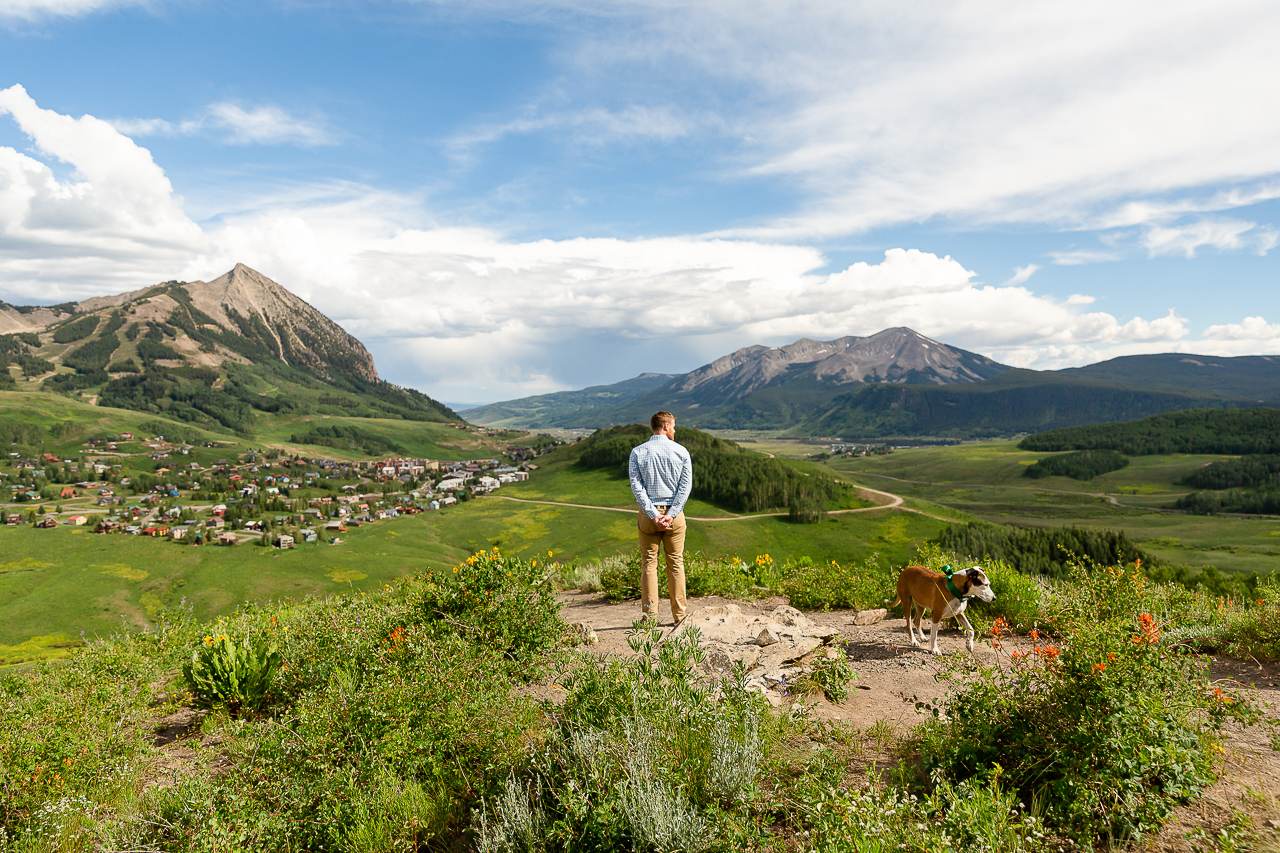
672,541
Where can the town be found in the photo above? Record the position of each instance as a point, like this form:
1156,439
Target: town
198,494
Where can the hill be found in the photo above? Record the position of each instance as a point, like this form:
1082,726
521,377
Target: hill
215,354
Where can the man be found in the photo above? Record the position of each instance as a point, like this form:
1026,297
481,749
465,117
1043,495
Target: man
661,476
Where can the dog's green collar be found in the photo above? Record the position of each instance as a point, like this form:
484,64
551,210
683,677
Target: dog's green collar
951,587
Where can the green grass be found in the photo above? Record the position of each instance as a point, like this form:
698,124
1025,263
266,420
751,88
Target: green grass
985,481
69,580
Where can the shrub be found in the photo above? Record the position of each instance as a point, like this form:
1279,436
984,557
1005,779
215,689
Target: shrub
1108,729
834,586
230,674
498,603
833,675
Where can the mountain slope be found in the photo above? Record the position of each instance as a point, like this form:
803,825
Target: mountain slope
900,384
206,352
758,386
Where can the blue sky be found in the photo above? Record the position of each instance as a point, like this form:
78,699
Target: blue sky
508,198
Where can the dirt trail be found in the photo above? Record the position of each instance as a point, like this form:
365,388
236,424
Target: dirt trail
892,502
892,676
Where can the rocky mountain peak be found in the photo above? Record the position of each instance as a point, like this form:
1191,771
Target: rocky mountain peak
898,355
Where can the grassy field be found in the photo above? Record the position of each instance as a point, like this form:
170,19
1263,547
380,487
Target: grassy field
985,481
56,583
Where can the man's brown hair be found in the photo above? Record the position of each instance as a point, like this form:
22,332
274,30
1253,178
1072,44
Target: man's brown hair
661,419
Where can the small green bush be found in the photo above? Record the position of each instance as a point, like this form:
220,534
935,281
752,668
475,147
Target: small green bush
833,586
230,674
500,603
834,675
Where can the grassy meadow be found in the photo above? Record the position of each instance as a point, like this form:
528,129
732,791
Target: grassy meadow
984,481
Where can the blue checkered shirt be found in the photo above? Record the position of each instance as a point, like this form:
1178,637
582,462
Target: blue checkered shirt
661,474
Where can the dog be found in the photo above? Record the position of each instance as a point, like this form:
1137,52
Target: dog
943,595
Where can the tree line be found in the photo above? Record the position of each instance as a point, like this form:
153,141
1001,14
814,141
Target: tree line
1037,551
1234,431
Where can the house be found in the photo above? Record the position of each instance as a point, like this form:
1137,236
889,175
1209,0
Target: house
216,523
227,539
449,501
68,492
487,484
337,524
13,518
48,521
126,436
176,533
309,535
77,520
285,541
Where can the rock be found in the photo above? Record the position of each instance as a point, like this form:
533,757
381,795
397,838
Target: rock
767,637
870,617
787,615
583,633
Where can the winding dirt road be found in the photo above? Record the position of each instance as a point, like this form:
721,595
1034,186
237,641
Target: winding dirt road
892,502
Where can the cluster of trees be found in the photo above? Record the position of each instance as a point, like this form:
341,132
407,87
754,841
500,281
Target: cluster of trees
1247,472
93,356
1080,465
1246,501
1040,551
1250,484
724,473
1234,431
184,394
76,330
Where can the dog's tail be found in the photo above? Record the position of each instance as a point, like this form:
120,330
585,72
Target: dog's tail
897,599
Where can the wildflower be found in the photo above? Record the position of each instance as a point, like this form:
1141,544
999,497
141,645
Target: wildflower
1035,635
1099,667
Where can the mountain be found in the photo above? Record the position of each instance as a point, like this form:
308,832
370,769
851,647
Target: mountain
898,383
757,386
547,411
206,352
895,355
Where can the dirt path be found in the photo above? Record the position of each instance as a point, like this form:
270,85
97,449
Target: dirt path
892,502
892,676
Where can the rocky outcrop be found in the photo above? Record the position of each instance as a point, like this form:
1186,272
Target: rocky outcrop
776,648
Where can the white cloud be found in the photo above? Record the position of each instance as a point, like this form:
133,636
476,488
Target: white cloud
115,218
1021,275
1086,114
264,125
30,10
1077,257
466,313
1222,234
593,127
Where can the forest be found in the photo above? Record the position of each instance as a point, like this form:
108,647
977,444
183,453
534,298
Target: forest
1080,465
1037,551
1235,431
